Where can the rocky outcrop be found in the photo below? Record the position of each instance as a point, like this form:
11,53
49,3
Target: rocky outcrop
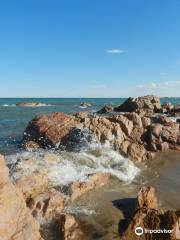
148,222
16,221
85,104
147,103
134,134
31,104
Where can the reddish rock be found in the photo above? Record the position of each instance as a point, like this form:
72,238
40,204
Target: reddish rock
48,130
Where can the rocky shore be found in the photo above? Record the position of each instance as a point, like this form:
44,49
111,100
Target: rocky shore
30,203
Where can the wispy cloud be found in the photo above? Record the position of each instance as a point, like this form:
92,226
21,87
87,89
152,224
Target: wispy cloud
166,88
178,61
116,50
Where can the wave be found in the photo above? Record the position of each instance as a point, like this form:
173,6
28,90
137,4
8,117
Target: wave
8,105
64,168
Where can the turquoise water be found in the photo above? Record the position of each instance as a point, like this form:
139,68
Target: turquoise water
13,120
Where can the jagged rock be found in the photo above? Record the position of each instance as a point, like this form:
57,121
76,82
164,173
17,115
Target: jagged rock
105,109
146,198
16,221
148,102
147,217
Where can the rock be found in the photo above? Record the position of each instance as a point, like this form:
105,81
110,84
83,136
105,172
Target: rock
105,109
47,205
33,184
149,218
48,130
167,107
146,121
31,145
137,152
148,102
16,221
146,198
94,182
31,104
85,104
75,140
72,228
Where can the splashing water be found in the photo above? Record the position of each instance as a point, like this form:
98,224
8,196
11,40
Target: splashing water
64,168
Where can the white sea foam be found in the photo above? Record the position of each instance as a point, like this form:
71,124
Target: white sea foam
66,167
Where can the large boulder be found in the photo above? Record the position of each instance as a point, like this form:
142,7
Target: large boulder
16,221
145,103
48,130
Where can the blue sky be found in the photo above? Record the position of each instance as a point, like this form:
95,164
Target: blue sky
89,48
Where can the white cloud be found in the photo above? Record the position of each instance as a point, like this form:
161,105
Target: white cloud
115,51
166,88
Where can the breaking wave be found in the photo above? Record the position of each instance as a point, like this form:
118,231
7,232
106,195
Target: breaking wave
64,168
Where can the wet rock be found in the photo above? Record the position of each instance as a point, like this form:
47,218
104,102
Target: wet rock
94,182
16,221
48,205
148,102
106,109
75,140
33,184
48,130
31,104
85,104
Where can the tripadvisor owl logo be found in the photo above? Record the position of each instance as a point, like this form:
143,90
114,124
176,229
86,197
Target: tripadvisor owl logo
139,231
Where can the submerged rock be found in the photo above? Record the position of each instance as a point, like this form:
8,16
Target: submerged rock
31,104
94,182
85,104
16,221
